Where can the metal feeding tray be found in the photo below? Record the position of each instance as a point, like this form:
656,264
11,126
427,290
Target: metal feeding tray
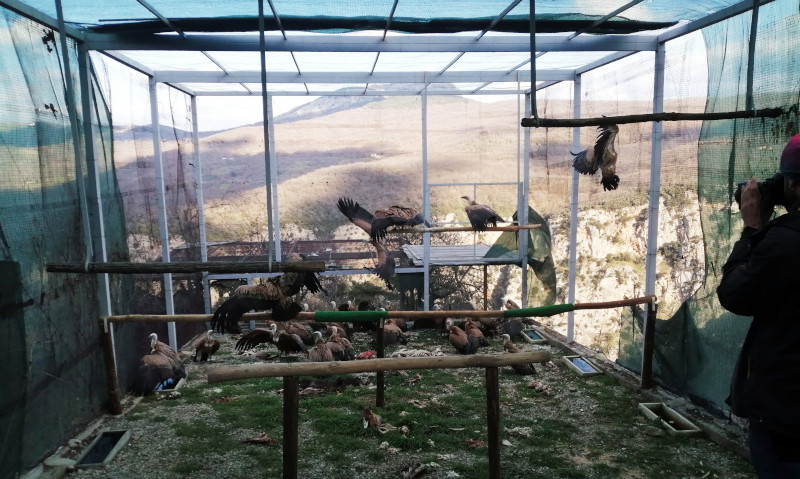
581,365
103,449
533,336
672,420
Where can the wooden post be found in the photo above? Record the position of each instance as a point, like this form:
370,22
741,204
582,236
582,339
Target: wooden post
114,396
291,407
485,288
649,344
380,399
493,421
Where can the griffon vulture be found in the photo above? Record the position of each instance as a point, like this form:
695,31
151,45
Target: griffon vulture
509,347
461,342
384,266
205,346
276,294
320,353
602,156
161,368
480,216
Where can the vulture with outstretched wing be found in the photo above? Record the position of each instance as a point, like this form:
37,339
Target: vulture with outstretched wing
205,346
384,266
480,216
601,157
275,294
161,368
395,215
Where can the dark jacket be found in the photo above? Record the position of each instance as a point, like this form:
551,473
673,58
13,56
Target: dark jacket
762,279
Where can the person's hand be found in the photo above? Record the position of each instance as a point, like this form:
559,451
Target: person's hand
751,205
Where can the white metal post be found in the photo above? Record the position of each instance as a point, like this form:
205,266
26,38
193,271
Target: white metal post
201,207
573,210
162,209
426,205
655,174
273,165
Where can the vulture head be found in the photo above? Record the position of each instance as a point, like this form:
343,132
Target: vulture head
153,341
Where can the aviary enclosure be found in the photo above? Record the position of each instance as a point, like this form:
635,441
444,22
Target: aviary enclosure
156,134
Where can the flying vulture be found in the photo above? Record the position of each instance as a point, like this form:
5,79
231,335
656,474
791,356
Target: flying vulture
509,347
384,266
603,157
161,368
276,294
205,346
320,353
480,216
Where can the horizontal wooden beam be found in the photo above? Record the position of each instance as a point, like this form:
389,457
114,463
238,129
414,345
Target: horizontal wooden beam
645,117
190,267
440,229
250,371
347,316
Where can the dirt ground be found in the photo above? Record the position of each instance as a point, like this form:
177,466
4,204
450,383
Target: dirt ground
556,424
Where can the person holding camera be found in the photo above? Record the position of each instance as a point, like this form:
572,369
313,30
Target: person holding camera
762,279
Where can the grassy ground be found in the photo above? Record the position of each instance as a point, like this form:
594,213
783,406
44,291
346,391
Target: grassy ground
571,427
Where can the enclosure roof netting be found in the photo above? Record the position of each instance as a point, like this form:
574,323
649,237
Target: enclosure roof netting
411,16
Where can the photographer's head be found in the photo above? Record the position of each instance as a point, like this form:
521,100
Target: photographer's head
790,169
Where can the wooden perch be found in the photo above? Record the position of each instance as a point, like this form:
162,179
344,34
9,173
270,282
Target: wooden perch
353,315
666,116
249,371
439,229
188,267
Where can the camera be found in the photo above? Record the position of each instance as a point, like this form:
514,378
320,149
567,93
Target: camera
771,191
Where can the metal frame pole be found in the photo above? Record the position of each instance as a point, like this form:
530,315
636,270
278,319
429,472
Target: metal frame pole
522,208
201,207
426,205
573,210
162,208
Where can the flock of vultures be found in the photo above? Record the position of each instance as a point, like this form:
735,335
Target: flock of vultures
162,367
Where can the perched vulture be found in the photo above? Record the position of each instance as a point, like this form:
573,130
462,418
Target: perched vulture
384,266
511,304
511,327
320,353
287,343
603,157
472,330
392,333
276,294
300,329
458,338
480,216
509,347
206,345
161,368
341,348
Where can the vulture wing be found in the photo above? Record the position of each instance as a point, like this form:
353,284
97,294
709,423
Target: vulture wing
602,156
246,298
290,343
356,214
395,215
362,218
253,338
